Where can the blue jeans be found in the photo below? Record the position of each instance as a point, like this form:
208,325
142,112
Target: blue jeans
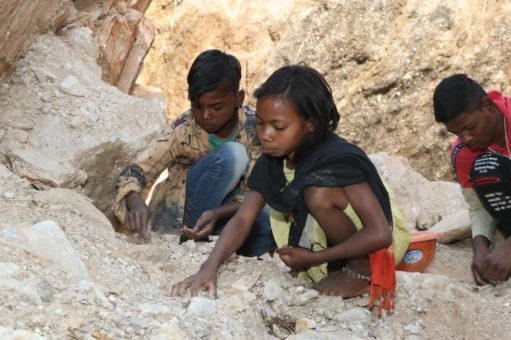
213,181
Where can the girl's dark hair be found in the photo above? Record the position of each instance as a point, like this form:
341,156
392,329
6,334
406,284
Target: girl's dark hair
309,93
455,95
211,70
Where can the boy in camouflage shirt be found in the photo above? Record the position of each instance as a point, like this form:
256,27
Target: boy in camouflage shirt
207,151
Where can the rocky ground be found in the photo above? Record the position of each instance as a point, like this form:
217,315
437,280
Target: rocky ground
64,273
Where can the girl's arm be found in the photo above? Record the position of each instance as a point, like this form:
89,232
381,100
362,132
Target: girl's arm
232,237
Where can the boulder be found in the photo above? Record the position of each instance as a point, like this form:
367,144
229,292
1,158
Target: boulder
423,202
72,130
20,24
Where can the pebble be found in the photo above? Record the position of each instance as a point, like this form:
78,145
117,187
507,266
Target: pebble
304,324
272,290
8,195
414,328
201,306
152,309
8,269
353,315
306,297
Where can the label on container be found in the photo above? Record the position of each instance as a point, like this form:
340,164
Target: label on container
413,256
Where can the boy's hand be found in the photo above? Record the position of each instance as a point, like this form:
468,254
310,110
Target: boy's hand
139,217
498,263
205,278
478,267
479,264
297,258
203,228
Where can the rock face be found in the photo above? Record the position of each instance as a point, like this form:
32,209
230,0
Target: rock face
123,35
20,24
248,29
64,127
65,134
423,202
382,58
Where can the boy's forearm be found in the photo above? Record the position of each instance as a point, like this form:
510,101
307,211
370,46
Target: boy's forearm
481,244
227,210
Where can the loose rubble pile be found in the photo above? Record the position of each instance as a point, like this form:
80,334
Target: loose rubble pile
65,273
65,134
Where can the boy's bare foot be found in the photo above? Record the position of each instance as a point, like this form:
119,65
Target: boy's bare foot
342,284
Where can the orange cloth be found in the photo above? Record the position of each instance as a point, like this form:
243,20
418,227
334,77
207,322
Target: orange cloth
383,279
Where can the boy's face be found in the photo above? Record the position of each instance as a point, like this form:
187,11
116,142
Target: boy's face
476,128
279,127
217,111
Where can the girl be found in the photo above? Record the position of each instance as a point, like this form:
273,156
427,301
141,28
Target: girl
328,201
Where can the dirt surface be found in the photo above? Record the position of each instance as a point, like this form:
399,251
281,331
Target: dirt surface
64,272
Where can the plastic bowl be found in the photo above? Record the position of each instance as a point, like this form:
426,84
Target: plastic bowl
420,252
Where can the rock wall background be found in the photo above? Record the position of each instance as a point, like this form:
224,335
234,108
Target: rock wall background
62,122
382,58
20,24
68,127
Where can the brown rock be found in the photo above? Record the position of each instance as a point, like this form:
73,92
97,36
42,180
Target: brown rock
140,5
115,38
453,227
134,61
21,22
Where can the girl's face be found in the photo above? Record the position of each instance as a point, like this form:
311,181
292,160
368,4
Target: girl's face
279,127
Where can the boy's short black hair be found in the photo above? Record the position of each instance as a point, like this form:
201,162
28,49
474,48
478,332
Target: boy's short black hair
210,70
455,95
311,96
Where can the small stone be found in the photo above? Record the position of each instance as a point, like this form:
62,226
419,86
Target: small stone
8,195
170,330
327,328
304,298
17,135
45,290
353,315
201,306
39,319
414,328
85,286
248,297
272,290
45,97
74,321
191,245
304,324
152,309
72,86
60,312
46,110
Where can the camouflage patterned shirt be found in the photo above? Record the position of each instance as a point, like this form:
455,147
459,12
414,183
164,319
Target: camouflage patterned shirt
176,148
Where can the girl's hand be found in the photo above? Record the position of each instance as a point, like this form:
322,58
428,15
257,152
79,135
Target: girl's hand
296,258
205,278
